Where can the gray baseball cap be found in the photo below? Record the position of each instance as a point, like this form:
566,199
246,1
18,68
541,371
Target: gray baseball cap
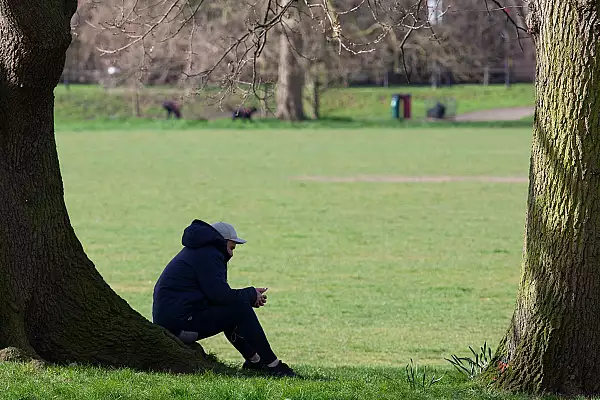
227,231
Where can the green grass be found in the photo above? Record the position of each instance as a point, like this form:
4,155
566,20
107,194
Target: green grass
363,276
369,273
24,382
84,102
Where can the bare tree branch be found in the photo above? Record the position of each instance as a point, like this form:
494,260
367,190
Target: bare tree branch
229,42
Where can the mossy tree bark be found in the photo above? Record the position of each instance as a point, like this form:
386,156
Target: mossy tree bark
54,305
554,336
290,80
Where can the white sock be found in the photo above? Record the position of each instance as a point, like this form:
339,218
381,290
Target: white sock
255,358
274,363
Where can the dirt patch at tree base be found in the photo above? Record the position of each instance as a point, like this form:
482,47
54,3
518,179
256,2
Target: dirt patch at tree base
410,179
14,354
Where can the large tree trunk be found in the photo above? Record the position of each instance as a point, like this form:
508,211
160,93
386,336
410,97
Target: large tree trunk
290,81
553,340
54,305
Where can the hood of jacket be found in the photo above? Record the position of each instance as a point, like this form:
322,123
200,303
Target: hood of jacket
200,234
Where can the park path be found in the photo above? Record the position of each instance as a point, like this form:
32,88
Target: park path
498,114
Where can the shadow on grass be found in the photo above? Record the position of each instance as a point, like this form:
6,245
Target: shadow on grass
237,372
225,369
331,123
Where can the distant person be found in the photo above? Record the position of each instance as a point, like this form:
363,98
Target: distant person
172,109
193,300
243,113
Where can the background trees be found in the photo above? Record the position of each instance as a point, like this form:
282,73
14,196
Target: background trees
233,45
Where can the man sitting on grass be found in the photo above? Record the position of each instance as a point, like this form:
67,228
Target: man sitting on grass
193,300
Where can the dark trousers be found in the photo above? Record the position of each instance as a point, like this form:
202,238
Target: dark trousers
175,113
240,325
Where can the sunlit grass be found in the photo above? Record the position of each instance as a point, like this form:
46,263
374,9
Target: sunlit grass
362,273
363,276
21,381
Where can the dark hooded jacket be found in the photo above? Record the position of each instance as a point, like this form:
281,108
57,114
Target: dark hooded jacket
195,279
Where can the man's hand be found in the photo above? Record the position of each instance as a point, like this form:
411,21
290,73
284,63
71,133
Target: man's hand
261,298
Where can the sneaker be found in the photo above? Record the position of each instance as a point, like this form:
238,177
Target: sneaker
249,365
280,370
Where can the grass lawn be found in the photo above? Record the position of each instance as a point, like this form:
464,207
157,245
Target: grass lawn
24,382
359,273
362,276
84,102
